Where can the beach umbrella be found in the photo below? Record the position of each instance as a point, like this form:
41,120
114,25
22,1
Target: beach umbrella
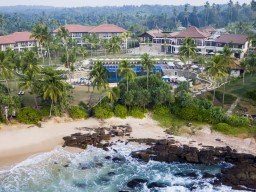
181,79
171,64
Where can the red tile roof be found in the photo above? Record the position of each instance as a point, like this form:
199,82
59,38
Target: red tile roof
192,32
21,37
232,38
4,40
209,29
104,28
75,28
107,28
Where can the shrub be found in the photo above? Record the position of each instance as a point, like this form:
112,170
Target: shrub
136,112
251,94
188,113
77,113
103,112
45,112
223,128
121,111
29,115
161,110
238,121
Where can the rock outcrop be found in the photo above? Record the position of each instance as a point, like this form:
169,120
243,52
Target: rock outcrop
100,134
243,173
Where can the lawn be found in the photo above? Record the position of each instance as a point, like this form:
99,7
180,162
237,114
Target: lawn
177,126
79,93
237,88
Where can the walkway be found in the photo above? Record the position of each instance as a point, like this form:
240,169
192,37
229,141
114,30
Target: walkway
232,107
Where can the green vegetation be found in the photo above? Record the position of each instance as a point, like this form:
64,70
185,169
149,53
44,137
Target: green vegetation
137,19
235,131
137,112
229,98
121,111
29,115
103,112
76,113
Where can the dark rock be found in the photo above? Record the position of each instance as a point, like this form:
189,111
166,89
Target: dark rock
136,183
111,173
191,174
80,185
118,159
218,139
207,175
66,165
108,157
157,184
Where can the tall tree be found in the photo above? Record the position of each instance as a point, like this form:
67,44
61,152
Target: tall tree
41,34
114,45
53,87
125,69
147,64
93,40
216,70
6,65
188,49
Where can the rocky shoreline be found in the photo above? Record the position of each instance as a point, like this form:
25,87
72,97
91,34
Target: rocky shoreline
242,175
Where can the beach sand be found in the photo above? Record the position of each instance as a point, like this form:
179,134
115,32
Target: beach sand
18,142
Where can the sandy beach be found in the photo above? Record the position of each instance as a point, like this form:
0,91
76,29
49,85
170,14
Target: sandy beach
19,142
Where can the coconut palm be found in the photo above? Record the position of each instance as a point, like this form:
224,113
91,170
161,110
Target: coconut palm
125,37
216,69
125,69
53,88
147,64
188,49
63,34
41,34
98,76
114,45
29,82
6,67
111,94
29,63
93,40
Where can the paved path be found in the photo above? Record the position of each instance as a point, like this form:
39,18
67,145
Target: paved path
232,107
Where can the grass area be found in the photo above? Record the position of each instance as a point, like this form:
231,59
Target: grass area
229,98
243,132
237,88
79,93
177,126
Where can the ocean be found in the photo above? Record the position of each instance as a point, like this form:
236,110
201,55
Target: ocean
96,170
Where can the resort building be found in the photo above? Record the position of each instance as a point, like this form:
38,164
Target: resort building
208,40
17,41
104,31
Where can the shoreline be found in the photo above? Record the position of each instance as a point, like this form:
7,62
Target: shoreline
19,142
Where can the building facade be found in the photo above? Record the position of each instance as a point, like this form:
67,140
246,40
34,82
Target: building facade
207,40
104,31
17,41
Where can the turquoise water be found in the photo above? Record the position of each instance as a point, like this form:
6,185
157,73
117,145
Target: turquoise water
90,171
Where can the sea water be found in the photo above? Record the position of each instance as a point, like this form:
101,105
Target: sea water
94,170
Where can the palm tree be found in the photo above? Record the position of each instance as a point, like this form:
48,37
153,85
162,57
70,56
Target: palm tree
216,69
41,34
5,67
114,45
29,82
147,64
125,69
53,88
98,75
206,6
63,34
29,63
93,40
188,49
125,37
111,94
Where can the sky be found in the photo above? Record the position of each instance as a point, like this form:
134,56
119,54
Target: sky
80,3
